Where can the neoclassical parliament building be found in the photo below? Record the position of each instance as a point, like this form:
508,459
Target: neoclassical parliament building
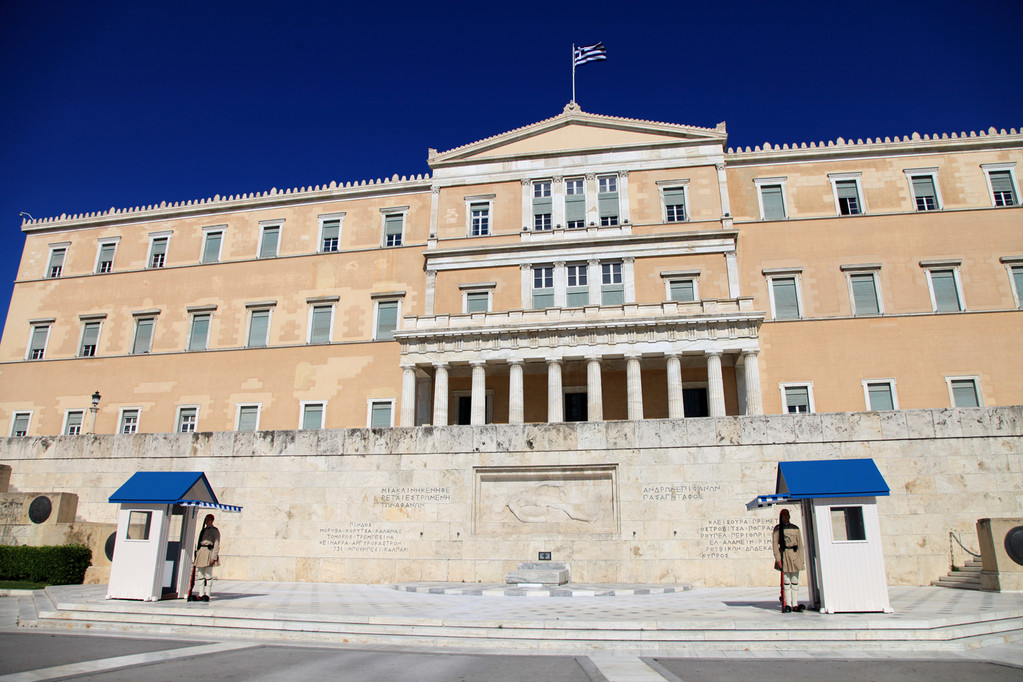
628,276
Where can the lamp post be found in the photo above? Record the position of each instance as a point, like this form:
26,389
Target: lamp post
95,408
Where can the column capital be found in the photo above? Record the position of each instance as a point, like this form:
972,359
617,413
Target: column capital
525,266
633,356
477,363
593,358
526,182
715,353
554,361
750,353
441,365
628,259
406,366
516,361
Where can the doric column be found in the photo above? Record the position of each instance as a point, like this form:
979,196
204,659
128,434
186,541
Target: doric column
754,404
516,397
715,384
478,412
424,392
634,383
676,406
408,395
594,394
555,398
440,394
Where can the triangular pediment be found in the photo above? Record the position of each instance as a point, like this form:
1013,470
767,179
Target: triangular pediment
577,131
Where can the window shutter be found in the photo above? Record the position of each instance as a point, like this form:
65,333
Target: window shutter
331,229
387,319
258,328
268,247
682,290
607,204
106,255
1017,278
143,336
312,417
56,263
923,186
211,251
200,332
774,205
542,205
20,424
91,335
846,189
865,294
38,347
247,416
674,196
964,393
946,298
1001,181
880,396
786,305
477,302
575,207
159,251
320,331
393,224
380,416
797,396
74,419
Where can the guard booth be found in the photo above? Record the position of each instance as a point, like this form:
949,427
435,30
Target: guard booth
156,530
844,554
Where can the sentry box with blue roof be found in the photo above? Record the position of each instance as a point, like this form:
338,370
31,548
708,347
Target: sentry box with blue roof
156,533
845,560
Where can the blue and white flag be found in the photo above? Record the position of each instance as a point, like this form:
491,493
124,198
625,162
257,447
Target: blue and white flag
590,53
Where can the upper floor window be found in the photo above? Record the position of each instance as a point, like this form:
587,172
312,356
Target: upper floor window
880,394
90,338
198,339
612,289
797,398
924,184
575,203
387,314
381,413
543,206
212,240
312,415
944,286
543,287
394,225
158,249
607,199
964,391
269,240
673,198
248,417
846,188
105,256
578,284
73,422
56,264
330,232
783,290
19,423
771,197
37,343
144,326
129,422
259,326
479,218
682,285
188,416
1001,179
477,301
864,290
321,319
1014,267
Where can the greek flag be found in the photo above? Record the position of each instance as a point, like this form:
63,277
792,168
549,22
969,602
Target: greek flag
590,53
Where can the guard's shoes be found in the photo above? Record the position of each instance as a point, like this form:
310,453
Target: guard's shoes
801,608
786,609
192,597
205,597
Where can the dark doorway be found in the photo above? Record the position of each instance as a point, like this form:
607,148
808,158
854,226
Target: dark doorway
694,402
575,407
465,410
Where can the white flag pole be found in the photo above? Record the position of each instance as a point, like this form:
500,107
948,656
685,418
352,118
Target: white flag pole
573,73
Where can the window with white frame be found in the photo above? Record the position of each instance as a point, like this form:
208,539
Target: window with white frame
90,338
964,391
212,240
269,239
1002,182
607,199
158,242
144,326
797,398
848,196
188,417
393,226
575,202
543,287
37,341
19,423
380,414
578,284
129,422
321,321
247,418
944,286
330,232
476,297
199,337
312,415
73,422
387,316
478,209
1014,268
55,266
612,288
879,394
771,198
259,325
923,183
784,291
673,199
543,205
105,256
864,289
681,285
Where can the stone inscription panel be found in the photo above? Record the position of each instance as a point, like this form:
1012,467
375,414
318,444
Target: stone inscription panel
736,537
678,492
412,497
545,500
361,538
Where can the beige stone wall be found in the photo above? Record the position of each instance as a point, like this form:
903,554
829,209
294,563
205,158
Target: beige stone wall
654,501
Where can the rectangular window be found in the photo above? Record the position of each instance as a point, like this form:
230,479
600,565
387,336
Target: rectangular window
945,290
773,202
259,328
248,418
320,323
199,338
1003,191
797,399
863,286
187,418
19,423
880,395
73,422
1016,272
543,206
612,291
312,415
682,290
578,285
575,203
784,298
129,421
56,265
90,339
674,204
394,225
847,524
330,235
387,320
480,220
543,287
143,335
105,259
963,391
138,525
158,252
380,414
607,199
477,301
847,193
925,193
211,246
269,241
37,345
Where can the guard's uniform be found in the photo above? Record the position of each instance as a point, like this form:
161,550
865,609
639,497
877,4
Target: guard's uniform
788,557
207,553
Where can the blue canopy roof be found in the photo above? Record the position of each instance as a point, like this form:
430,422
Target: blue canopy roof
187,488
824,478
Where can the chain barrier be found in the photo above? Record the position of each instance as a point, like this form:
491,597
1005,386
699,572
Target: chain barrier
951,548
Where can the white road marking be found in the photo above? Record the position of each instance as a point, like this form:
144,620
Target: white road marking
625,669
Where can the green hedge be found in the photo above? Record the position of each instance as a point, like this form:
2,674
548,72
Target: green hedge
62,565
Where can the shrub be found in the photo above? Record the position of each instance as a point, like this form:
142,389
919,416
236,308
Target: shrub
60,565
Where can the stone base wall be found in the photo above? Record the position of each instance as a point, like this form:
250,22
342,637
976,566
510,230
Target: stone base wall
657,501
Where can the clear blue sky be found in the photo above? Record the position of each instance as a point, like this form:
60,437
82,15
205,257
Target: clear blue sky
121,104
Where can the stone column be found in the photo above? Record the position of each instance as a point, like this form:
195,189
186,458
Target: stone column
715,385
431,290
560,284
515,394
628,279
623,197
634,383
676,406
408,395
754,403
440,394
594,395
555,397
478,411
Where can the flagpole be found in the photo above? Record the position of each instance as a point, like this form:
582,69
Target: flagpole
573,73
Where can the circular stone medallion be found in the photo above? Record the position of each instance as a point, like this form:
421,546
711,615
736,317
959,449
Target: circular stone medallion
40,509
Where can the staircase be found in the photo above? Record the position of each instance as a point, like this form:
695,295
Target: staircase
965,578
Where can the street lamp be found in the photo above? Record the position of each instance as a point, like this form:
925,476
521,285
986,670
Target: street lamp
95,408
